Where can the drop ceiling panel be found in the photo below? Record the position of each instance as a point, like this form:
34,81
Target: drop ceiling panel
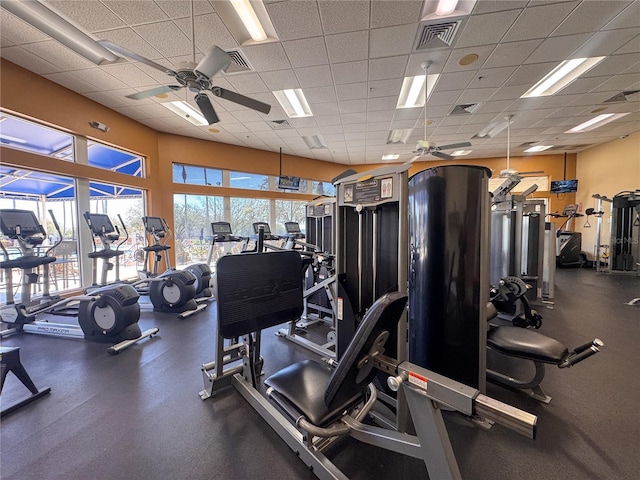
352,91
386,68
625,19
132,76
179,8
348,47
318,76
557,48
72,82
209,31
385,88
491,77
247,83
134,13
350,72
18,31
29,60
454,81
483,52
603,43
59,55
279,80
388,13
529,26
91,17
341,17
295,22
128,38
267,57
511,54
307,52
382,103
589,16
166,37
486,29
389,41
100,79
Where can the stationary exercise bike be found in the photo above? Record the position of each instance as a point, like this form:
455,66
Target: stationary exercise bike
172,291
107,314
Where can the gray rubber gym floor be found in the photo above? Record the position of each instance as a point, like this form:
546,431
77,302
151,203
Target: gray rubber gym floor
138,415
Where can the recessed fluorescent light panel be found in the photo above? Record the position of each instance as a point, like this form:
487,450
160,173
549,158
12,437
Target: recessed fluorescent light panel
293,102
394,156
187,112
400,135
412,91
561,76
437,9
538,148
314,141
248,21
54,24
596,122
461,153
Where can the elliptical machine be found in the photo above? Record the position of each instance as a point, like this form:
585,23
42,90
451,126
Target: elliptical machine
172,291
108,314
159,230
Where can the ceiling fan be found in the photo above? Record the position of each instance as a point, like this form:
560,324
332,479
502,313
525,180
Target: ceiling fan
195,77
424,146
512,171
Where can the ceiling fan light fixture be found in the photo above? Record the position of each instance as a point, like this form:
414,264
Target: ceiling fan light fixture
538,148
187,112
561,76
60,28
596,122
293,102
412,93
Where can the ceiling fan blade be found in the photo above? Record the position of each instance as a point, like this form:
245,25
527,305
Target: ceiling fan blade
241,99
454,145
154,91
134,56
442,155
215,60
207,108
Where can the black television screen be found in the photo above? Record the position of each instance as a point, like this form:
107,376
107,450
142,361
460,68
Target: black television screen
286,182
564,186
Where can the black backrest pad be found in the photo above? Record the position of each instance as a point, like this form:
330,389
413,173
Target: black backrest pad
354,372
257,291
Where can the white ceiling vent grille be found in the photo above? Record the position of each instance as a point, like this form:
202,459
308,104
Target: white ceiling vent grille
239,64
437,35
465,109
280,124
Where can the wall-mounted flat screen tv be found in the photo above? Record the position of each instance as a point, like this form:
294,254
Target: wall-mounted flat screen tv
564,186
286,182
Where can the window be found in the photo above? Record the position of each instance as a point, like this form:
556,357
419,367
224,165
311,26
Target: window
289,211
323,188
40,193
251,181
194,175
246,211
109,158
29,136
193,215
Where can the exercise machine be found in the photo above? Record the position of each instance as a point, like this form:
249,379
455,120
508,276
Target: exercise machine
311,405
171,291
108,314
625,233
223,236
568,243
320,224
10,362
160,232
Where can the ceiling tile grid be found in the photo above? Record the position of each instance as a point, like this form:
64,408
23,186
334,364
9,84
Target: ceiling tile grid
350,58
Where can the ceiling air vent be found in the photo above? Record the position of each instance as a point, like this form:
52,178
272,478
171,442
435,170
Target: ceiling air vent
280,124
465,109
437,35
239,64
622,96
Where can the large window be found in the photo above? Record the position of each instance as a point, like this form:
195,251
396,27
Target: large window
29,136
246,211
193,215
323,188
289,211
114,159
194,175
252,181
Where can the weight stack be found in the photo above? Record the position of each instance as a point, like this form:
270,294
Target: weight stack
449,218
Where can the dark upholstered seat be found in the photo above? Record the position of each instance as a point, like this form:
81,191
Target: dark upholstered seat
320,394
524,343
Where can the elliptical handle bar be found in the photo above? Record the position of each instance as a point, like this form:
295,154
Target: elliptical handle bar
126,233
167,229
57,227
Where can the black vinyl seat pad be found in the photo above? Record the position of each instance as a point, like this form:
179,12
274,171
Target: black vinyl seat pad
525,343
319,393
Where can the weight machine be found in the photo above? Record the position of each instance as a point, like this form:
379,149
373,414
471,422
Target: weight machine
108,314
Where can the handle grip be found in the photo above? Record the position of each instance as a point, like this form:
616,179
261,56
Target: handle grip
579,357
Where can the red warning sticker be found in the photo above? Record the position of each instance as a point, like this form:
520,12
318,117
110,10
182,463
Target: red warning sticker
418,380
